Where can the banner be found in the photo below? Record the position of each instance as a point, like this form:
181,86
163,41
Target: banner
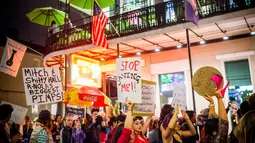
147,107
179,95
12,57
75,111
128,72
42,85
18,114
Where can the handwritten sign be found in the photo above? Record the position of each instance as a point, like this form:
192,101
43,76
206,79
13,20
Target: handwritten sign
202,82
42,85
129,79
179,96
147,107
18,114
75,111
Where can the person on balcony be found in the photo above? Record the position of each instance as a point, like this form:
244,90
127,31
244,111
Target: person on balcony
52,33
67,30
160,11
67,24
53,29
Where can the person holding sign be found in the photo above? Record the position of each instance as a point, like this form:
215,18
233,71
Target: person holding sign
216,128
132,131
170,127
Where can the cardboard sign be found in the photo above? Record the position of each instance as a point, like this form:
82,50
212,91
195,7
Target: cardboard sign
18,114
75,111
42,85
128,72
179,95
147,107
12,57
202,82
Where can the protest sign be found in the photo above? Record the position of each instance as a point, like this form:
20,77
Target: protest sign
179,95
42,85
147,107
128,72
12,57
18,114
75,111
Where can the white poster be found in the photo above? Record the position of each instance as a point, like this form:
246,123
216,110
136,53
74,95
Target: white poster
18,114
12,57
179,95
147,107
128,72
42,85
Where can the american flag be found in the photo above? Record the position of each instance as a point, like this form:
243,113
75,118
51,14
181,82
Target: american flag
98,27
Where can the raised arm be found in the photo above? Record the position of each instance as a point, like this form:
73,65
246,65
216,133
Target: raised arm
171,125
127,131
192,130
212,112
222,133
129,118
146,125
221,107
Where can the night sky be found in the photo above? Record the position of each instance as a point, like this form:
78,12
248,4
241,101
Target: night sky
13,16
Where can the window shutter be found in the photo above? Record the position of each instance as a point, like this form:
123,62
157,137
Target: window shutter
238,73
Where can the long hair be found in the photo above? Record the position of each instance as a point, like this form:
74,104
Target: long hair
211,125
165,110
117,133
245,130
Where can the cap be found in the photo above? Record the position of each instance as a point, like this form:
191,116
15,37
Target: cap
75,117
204,112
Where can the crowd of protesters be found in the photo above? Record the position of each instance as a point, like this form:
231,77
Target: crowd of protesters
173,126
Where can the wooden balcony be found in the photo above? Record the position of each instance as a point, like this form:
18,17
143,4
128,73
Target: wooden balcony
142,20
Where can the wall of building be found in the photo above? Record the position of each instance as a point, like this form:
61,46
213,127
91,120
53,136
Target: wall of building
12,88
203,55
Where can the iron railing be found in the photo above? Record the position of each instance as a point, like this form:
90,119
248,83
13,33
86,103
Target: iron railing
144,19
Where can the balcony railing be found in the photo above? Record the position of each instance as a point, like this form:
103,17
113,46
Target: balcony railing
144,19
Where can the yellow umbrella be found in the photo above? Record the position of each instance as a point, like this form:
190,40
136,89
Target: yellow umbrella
71,97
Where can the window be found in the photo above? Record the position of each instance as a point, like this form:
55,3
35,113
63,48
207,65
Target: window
238,74
53,109
166,82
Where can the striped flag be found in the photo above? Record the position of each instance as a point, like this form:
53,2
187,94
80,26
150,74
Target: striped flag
98,27
191,13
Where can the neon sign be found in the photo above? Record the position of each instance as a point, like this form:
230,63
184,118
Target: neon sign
85,72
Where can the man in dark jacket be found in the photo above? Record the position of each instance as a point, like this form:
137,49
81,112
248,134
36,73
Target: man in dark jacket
89,130
66,132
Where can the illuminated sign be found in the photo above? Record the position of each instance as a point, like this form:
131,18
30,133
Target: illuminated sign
132,5
85,72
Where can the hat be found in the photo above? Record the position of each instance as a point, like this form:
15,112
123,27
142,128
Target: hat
45,115
204,112
75,117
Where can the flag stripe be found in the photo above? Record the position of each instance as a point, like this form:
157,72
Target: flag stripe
98,26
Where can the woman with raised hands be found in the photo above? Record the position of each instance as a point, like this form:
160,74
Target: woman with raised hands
171,125
132,132
216,128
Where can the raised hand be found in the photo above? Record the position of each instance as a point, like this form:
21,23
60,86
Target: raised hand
129,104
218,93
184,115
209,98
176,110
